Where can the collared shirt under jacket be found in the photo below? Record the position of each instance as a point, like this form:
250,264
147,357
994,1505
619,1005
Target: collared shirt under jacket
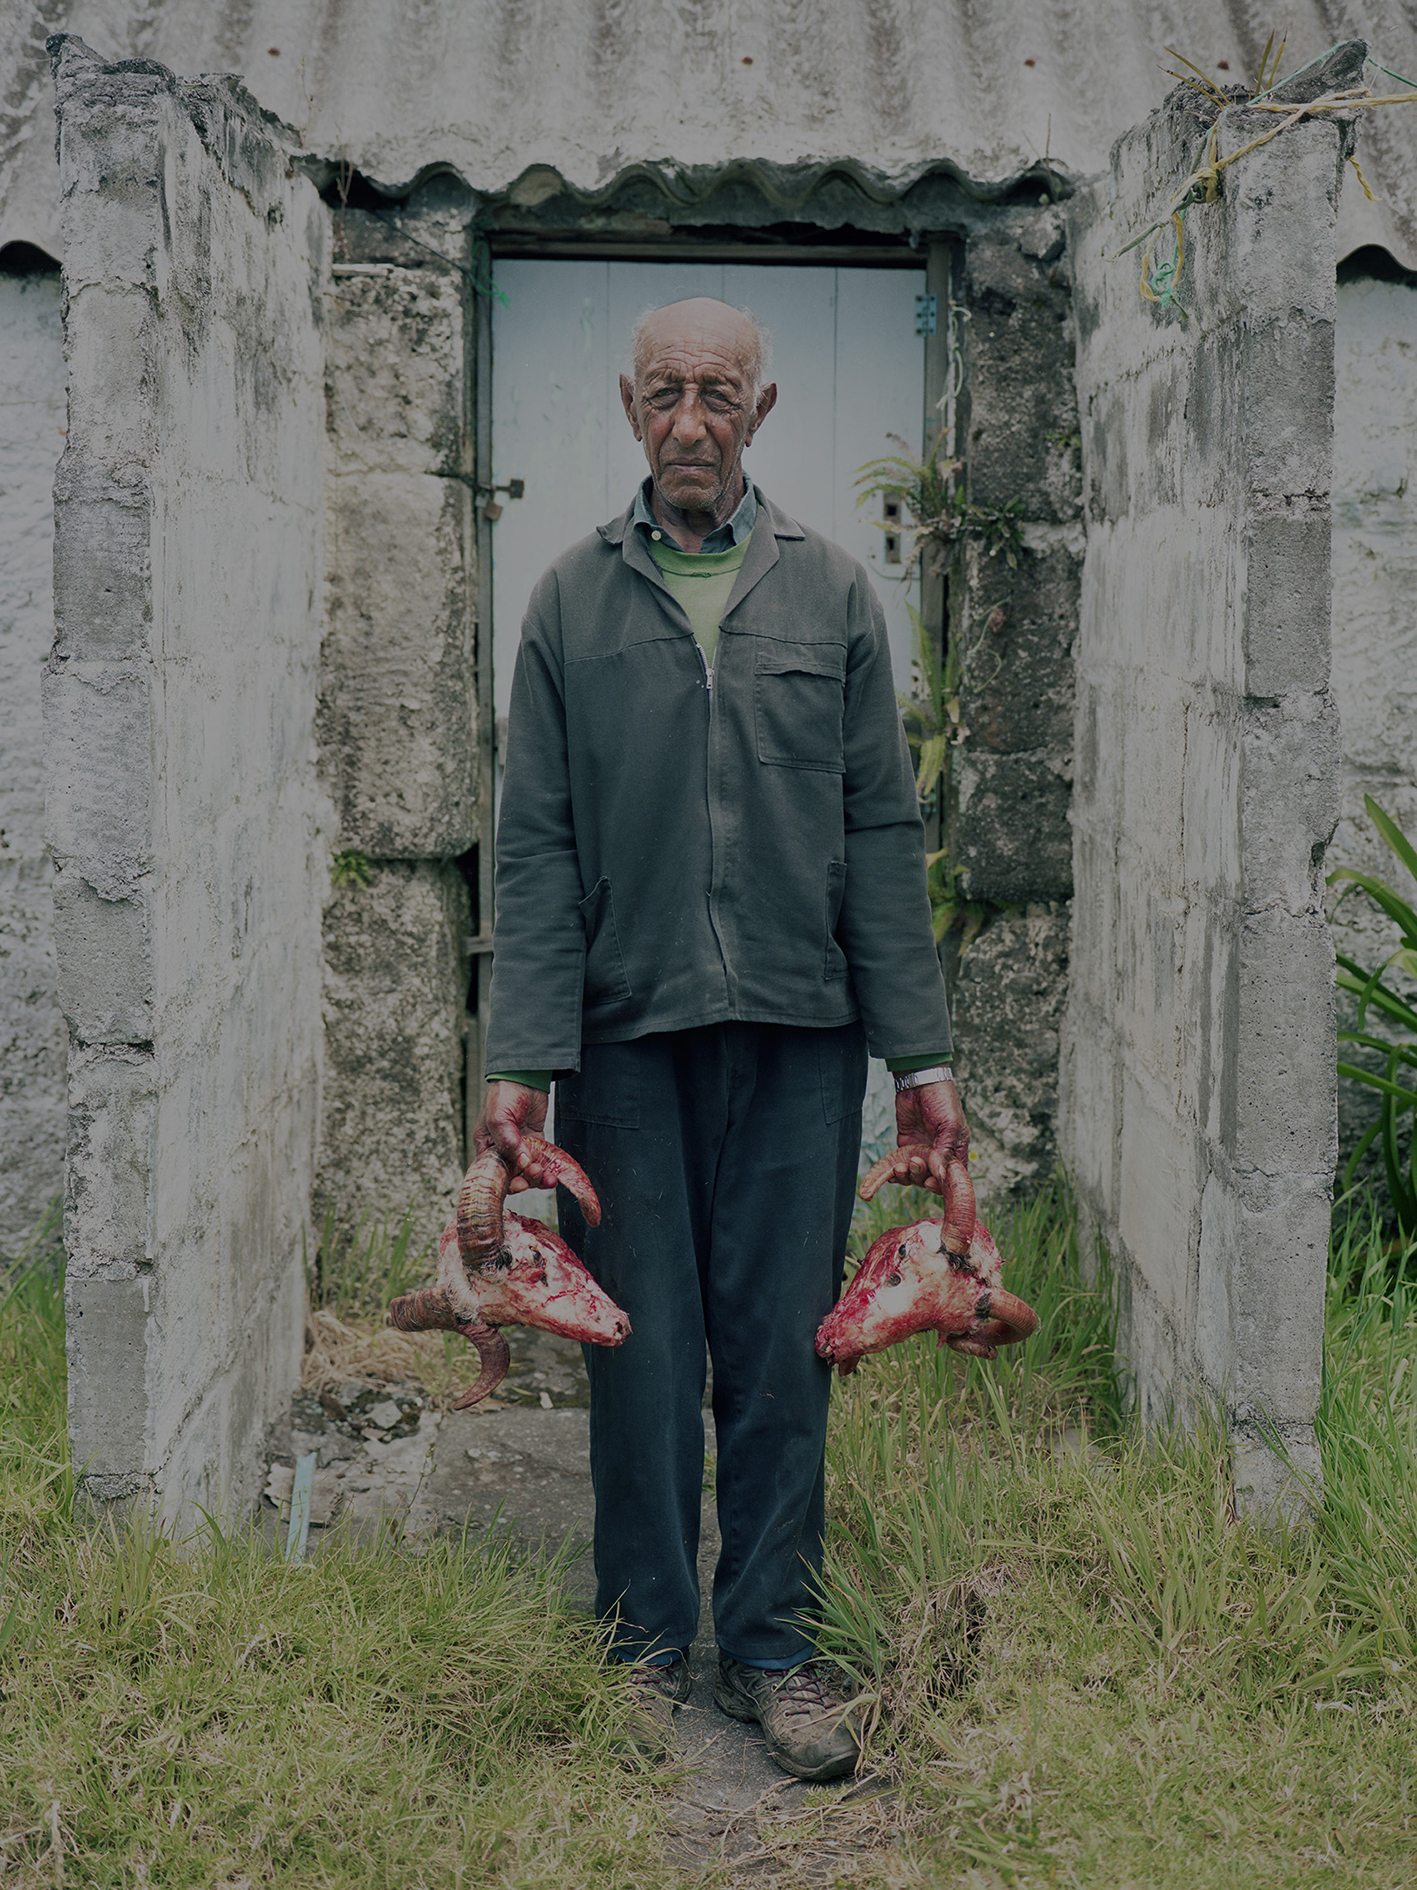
679,848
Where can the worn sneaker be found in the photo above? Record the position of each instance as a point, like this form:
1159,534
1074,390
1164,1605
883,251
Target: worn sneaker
805,1714
655,1693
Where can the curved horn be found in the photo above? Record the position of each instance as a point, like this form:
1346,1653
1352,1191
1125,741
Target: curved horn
428,1310
876,1177
1001,1318
495,1356
564,1169
480,1201
481,1239
958,1230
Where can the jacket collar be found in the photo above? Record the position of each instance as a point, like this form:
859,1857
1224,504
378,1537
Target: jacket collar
762,550
618,531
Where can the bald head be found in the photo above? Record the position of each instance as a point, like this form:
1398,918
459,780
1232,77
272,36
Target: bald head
696,400
704,319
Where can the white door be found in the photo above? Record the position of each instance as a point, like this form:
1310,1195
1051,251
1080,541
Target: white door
850,371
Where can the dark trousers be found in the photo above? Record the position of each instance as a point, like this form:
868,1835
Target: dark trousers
725,1159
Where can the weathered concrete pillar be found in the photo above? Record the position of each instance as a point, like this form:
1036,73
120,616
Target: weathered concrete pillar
189,838
1199,1050
1013,630
33,1040
395,984
397,721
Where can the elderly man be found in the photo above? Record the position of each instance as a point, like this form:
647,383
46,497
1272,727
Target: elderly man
710,901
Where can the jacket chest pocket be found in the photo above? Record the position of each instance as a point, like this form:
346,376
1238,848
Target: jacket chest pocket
799,696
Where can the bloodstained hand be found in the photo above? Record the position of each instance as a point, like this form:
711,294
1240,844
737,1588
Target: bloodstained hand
511,1112
932,1152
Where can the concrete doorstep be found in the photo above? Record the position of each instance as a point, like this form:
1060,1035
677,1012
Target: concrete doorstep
385,1461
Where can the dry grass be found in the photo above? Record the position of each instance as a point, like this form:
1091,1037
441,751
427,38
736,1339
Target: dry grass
362,1349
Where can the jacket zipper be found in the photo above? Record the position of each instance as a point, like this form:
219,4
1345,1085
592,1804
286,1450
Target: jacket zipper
708,669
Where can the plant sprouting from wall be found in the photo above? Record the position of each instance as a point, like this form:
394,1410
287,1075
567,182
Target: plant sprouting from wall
350,868
1160,275
1375,991
932,727
940,521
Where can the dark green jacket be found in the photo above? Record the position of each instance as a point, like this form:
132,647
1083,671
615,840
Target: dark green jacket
672,854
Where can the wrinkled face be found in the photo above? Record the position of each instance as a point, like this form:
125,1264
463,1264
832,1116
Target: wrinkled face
693,405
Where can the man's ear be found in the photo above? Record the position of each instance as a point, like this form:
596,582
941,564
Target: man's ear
766,401
627,401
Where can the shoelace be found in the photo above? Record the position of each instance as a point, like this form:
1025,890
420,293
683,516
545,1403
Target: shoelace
643,1674
804,1692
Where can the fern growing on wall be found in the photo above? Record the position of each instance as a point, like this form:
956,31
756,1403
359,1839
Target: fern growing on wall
1377,993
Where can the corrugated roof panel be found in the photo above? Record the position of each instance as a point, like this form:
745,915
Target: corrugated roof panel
590,87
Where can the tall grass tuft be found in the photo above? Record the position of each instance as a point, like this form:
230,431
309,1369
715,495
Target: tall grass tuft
1367,1427
1081,1665
36,1485
201,1712
360,1266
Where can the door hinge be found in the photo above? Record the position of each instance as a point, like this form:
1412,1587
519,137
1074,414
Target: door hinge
927,314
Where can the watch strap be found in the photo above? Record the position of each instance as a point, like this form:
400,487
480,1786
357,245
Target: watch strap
918,1079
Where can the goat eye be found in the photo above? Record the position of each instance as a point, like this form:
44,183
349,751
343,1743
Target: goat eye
893,1279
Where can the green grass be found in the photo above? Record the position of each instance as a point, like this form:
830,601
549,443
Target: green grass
202,1713
360,1266
1084,1670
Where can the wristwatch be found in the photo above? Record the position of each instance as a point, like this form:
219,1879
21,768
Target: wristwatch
917,1079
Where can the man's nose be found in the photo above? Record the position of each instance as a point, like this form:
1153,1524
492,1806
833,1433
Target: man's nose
688,419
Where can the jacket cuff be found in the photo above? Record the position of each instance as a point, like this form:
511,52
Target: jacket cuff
529,1079
902,1066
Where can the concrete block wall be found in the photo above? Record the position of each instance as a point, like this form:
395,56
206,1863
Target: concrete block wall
395,1012
1198,1106
1014,630
1374,621
397,720
189,836
33,1038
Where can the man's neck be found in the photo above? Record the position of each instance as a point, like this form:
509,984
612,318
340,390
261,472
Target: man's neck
690,529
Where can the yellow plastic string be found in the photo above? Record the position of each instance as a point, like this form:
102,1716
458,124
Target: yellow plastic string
1159,280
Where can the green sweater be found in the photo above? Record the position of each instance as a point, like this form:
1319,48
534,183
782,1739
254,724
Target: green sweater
701,582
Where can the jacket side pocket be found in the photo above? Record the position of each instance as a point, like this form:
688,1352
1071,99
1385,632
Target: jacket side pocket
835,965
605,980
